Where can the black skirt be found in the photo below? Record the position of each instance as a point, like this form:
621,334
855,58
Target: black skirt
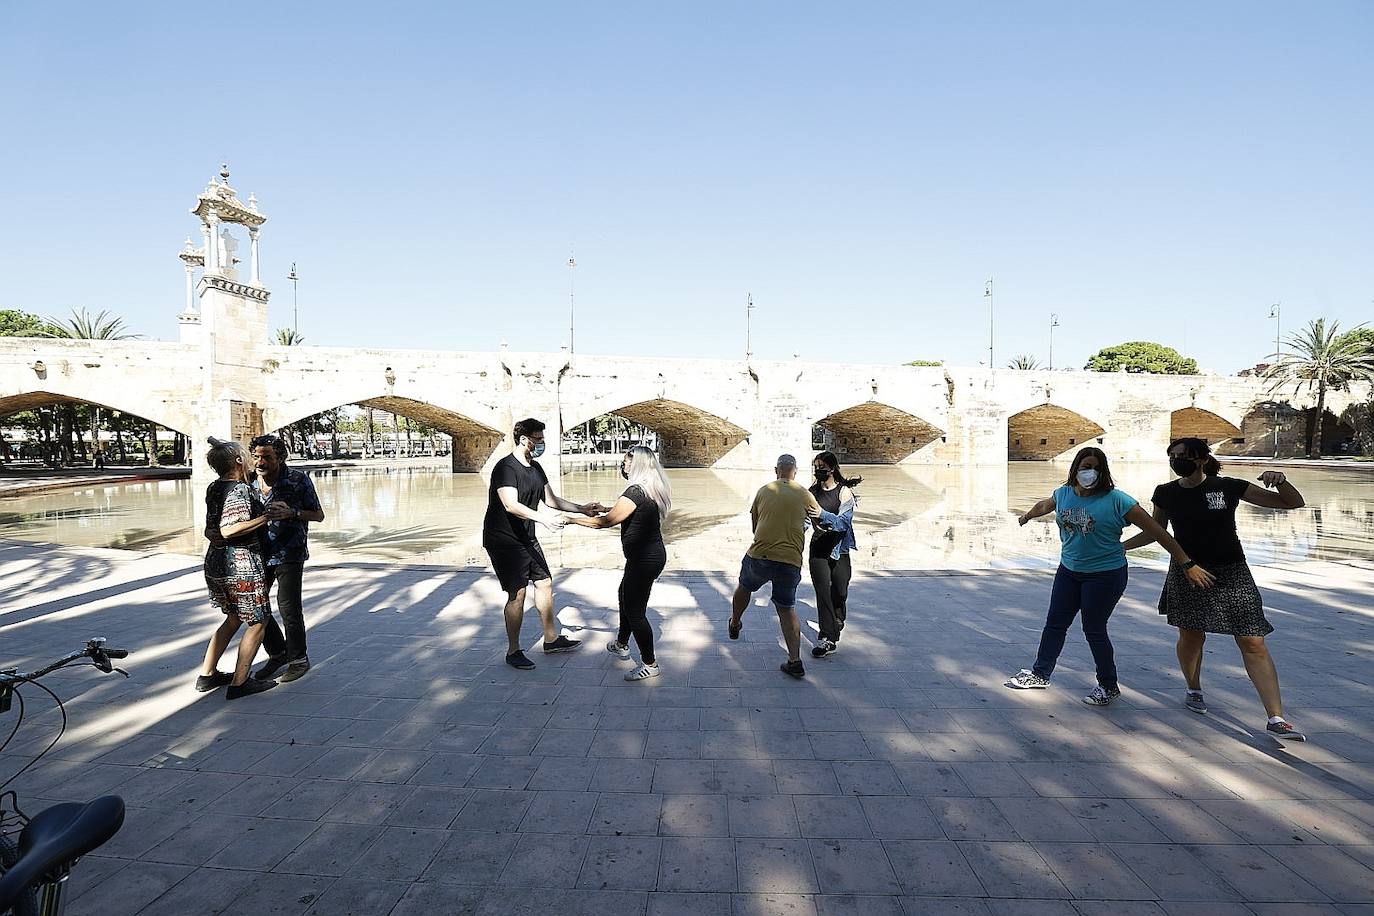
1232,606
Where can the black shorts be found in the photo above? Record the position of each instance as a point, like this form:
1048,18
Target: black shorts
518,565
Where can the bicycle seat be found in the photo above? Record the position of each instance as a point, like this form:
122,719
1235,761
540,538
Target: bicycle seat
55,838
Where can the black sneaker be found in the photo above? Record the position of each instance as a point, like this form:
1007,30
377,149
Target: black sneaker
1285,730
823,648
248,688
270,667
794,669
733,628
207,682
518,660
296,670
562,644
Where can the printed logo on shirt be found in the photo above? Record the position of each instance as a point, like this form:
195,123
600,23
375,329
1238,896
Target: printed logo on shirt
1076,520
1216,500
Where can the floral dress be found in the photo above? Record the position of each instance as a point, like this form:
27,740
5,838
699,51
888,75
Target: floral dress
234,571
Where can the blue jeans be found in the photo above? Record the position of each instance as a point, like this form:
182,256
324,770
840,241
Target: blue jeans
755,574
1096,595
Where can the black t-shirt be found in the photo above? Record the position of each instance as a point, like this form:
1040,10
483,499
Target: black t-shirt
642,532
1204,517
500,528
823,540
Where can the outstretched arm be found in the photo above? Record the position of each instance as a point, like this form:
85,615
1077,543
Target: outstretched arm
1144,537
1284,495
1044,507
1196,574
624,507
567,505
510,501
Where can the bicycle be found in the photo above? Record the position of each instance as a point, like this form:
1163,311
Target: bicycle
34,871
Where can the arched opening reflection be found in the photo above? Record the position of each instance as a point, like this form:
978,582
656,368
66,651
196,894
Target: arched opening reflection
1046,431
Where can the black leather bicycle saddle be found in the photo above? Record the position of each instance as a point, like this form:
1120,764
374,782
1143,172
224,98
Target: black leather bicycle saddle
55,838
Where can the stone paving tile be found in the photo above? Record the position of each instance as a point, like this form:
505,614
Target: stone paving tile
1256,874
330,850
1173,872
823,816
1013,870
358,897
694,815
845,866
1091,872
669,903
428,898
932,868
775,865
621,863
129,889
697,864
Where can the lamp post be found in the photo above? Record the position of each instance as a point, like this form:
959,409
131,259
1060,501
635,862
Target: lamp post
295,316
572,309
987,294
1276,313
749,327
1054,323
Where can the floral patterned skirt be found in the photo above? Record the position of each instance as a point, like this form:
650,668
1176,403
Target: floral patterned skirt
237,581
1232,606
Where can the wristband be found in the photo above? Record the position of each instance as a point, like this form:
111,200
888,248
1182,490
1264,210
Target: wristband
1190,564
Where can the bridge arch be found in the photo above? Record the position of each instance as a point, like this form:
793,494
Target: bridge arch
474,441
1046,431
689,436
1201,424
30,400
38,400
876,433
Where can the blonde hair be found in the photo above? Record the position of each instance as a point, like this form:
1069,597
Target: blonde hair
646,473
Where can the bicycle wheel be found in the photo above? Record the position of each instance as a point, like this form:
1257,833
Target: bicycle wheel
27,904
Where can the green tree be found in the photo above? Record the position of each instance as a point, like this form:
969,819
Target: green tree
1321,357
83,326
14,323
925,362
287,337
1024,362
1141,356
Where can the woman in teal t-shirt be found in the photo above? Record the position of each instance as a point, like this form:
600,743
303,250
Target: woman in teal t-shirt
1091,578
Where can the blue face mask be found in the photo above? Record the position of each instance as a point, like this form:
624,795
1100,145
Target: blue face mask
537,450
1087,478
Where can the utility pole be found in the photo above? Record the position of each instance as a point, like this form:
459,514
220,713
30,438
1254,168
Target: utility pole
1054,323
1276,313
749,328
295,316
572,309
987,294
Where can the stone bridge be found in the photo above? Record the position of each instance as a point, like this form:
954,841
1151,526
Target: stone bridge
223,378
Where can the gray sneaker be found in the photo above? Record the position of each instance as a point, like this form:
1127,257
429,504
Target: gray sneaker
1025,679
1194,701
618,649
1101,696
296,670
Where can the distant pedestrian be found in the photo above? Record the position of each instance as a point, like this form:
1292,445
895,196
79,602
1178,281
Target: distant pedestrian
1201,508
639,512
518,486
1091,514
292,505
779,516
831,541
234,572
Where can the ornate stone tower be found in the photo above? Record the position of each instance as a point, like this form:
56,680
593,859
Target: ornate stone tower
226,317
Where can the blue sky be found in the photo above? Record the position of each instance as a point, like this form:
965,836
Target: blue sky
1149,171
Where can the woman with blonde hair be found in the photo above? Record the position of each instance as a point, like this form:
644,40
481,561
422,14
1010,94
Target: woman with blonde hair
234,572
639,512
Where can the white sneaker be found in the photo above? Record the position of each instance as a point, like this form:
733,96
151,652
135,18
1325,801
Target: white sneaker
643,672
1025,679
1100,696
619,650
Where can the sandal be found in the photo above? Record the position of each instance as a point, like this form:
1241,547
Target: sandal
643,672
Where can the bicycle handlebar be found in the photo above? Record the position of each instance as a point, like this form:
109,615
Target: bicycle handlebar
117,653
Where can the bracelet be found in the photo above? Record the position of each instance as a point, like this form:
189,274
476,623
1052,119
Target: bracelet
1190,564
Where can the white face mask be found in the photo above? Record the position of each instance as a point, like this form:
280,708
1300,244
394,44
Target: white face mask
1087,478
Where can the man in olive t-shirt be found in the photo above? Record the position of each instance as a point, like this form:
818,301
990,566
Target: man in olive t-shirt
779,515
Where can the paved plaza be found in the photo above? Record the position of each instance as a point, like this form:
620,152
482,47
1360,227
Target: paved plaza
412,772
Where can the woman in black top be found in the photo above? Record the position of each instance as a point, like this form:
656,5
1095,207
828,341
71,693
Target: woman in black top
831,540
1201,507
234,572
639,512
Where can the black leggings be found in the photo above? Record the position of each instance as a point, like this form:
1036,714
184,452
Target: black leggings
640,572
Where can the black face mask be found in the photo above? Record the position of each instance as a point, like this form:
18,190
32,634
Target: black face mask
1183,467
624,473
822,474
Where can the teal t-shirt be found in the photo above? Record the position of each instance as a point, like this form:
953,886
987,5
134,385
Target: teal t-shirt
1090,529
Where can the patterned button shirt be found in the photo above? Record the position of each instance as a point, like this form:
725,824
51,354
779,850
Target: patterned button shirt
287,539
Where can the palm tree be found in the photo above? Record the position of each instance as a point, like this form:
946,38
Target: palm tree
288,337
1320,356
81,326
1024,362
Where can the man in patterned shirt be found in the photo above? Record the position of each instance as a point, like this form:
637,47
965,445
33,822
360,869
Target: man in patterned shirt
291,505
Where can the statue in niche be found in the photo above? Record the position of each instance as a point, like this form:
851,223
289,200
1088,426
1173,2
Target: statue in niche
227,246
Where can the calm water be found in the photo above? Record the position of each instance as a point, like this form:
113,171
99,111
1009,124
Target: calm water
908,518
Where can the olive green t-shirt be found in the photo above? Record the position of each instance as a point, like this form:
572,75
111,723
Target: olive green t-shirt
780,533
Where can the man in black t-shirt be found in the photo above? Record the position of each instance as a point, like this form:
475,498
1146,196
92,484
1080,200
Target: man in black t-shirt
518,485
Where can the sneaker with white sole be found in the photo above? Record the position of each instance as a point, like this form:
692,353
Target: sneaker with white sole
1025,679
643,672
824,647
1194,701
1101,696
1284,730
618,649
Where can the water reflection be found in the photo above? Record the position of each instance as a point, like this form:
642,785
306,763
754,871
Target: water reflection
908,518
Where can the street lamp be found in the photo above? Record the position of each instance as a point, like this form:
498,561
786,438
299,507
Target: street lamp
572,310
295,317
749,327
987,294
1276,313
1054,323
